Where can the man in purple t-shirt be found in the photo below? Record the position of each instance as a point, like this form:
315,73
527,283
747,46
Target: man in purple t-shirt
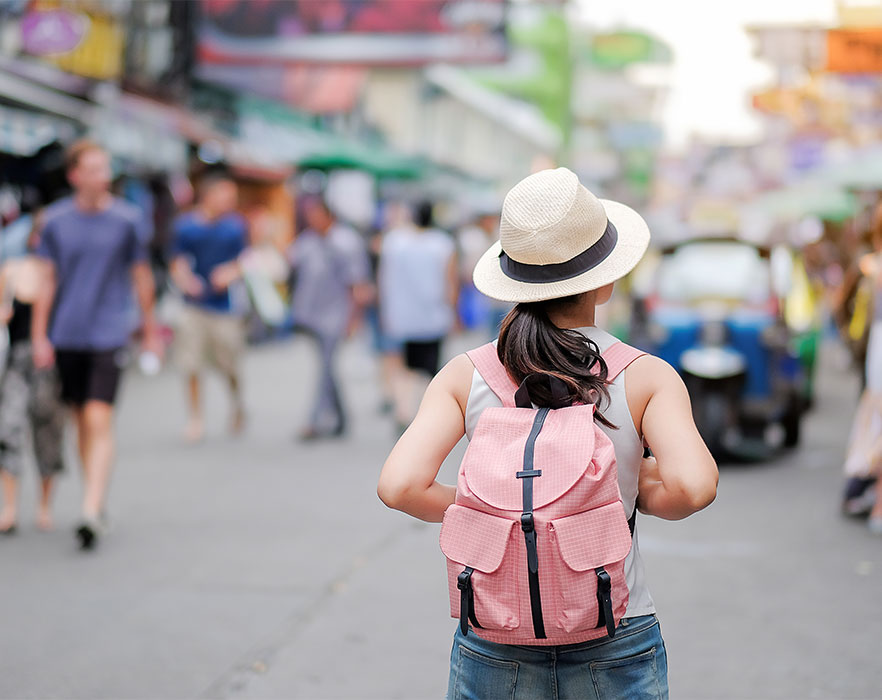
94,252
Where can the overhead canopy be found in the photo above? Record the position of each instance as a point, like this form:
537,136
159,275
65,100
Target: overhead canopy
377,160
23,133
863,172
822,200
278,135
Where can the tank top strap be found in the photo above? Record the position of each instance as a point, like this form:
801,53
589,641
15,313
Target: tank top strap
493,373
617,357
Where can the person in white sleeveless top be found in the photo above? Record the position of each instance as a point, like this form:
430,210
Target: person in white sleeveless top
560,251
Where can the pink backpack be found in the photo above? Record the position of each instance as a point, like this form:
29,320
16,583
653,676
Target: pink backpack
537,537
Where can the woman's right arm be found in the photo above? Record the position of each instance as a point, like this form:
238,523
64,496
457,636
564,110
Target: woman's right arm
408,480
681,477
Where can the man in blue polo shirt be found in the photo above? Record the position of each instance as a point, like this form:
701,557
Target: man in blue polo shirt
94,250
208,242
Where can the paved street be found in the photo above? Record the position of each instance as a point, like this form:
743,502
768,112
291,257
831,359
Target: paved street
260,568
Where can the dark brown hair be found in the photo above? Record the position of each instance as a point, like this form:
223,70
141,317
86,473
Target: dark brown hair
529,343
76,150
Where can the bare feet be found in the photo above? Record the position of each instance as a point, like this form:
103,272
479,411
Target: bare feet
195,431
7,522
44,520
237,423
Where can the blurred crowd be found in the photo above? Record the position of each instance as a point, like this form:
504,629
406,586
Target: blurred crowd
179,272
116,270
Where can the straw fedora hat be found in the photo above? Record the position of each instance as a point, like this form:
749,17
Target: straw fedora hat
557,239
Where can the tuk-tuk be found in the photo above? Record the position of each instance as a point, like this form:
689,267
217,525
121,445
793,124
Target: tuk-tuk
713,313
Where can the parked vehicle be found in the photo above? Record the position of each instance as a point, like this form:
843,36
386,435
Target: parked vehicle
714,314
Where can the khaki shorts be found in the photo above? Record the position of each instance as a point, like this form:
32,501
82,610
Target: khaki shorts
206,338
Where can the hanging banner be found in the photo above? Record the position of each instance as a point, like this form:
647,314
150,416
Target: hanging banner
368,32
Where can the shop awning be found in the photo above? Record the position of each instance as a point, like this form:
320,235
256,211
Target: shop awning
376,160
862,172
28,92
824,201
23,133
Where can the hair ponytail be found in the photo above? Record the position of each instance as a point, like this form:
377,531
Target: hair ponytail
529,343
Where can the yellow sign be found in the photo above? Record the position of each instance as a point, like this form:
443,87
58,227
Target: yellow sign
98,53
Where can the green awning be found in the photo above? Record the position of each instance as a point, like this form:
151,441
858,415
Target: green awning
862,173
824,201
377,160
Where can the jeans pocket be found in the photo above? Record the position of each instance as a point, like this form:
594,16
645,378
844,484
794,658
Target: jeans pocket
480,677
632,677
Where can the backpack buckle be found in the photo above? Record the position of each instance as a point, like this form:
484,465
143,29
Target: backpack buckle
527,524
463,581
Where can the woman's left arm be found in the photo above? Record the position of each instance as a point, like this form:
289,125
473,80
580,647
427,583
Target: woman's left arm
407,482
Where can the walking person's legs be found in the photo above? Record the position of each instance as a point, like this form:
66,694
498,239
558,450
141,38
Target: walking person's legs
9,511
875,522
89,382
226,343
421,360
47,415
328,416
333,386
96,440
95,419
14,397
195,424
191,340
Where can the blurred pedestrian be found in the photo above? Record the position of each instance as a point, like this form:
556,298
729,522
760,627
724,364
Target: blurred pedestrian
386,348
30,398
571,248
93,255
331,289
473,240
863,465
418,286
207,245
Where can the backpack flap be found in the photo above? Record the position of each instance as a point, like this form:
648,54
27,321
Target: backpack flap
566,449
594,538
475,539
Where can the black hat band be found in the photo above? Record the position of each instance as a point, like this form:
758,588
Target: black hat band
557,272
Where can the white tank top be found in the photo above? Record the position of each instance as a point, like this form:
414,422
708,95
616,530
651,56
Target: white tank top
629,453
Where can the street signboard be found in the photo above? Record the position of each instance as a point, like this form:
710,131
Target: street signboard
854,50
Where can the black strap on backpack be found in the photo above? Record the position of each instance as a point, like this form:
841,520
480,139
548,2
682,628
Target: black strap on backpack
466,601
528,526
604,602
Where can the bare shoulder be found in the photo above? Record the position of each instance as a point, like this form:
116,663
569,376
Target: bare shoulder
455,378
647,376
650,371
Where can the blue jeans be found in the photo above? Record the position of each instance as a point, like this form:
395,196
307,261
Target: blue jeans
632,665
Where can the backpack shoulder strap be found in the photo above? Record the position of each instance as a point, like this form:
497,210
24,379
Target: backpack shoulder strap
487,363
617,357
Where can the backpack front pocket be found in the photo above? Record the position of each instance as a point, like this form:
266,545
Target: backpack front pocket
591,591
482,568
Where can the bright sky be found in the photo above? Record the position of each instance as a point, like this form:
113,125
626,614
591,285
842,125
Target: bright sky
714,70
